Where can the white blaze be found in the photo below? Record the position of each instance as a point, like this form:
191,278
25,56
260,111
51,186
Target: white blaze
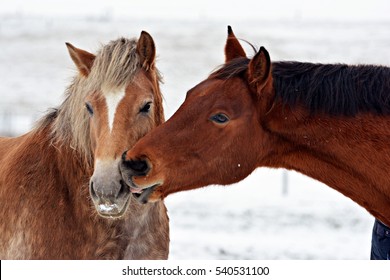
112,100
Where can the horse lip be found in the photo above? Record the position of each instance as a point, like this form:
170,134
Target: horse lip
107,213
143,196
135,190
112,215
111,209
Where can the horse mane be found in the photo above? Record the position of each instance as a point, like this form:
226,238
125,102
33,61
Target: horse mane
335,89
114,67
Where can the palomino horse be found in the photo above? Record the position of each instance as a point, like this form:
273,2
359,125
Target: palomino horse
45,175
330,122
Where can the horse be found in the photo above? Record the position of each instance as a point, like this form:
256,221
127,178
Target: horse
330,122
61,192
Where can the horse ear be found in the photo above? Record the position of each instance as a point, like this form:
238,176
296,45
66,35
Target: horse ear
233,48
146,50
82,59
259,69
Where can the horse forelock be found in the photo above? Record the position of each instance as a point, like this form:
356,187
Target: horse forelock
114,66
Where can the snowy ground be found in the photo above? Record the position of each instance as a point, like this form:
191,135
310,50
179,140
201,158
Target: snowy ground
252,219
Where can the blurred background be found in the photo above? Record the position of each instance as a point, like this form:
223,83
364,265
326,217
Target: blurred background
273,214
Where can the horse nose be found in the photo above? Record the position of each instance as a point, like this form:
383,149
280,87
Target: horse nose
108,193
137,167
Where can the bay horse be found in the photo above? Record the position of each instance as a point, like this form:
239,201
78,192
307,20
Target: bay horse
328,121
61,192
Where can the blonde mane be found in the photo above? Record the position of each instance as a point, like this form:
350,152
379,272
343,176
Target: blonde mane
114,67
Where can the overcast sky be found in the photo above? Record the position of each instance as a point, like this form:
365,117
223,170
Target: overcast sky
370,10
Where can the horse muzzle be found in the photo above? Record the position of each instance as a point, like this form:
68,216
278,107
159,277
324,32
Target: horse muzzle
136,175
109,193
111,201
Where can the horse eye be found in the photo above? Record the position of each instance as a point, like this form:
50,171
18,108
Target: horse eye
89,108
220,118
146,108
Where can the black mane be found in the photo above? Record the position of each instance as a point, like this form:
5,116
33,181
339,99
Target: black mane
336,89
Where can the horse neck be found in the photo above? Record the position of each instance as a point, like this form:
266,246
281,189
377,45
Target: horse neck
348,154
72,172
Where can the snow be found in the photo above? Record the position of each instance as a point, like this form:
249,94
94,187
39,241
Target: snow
253,220
250,220
107,208
204,9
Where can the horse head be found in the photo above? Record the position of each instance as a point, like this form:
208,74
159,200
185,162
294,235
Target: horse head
123,102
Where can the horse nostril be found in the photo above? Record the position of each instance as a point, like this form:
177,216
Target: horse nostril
124,156
139,167
122,189
92,191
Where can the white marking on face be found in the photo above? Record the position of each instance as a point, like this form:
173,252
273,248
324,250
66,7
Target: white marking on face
112,100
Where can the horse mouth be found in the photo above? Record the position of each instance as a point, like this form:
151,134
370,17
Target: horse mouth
113,211
112,208
142,195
